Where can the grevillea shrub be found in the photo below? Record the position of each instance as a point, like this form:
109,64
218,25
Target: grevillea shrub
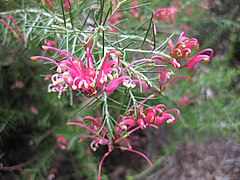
91,54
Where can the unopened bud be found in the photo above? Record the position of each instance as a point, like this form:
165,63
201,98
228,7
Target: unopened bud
169,121
33,58
44,47
89,42
118,53
206,60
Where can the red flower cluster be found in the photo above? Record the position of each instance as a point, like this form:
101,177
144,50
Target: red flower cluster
165,14
72,73
182,50
125,126
151,116
102,137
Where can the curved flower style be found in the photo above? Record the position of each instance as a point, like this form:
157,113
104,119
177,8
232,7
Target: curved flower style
102,137
192,61
164,75
17,33
73,73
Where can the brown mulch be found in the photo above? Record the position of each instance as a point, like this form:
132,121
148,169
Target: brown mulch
215,159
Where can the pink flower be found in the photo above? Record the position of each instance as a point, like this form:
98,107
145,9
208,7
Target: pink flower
61,142
48,2
115,19
151,116
183,49
73,73
115,82
165,74
102,137
204,5
18,85
134,11
185,100
34,110
192,61
189,11
184,27
49,42
67,5
165,14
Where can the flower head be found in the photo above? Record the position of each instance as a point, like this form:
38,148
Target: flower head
183,50
165,14
151,116
102,137
67,5
61,142
49,42
73,73
134,10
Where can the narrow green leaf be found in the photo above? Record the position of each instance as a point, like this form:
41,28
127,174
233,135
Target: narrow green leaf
95,19
86,105
103,46
140,5
116,102
149,26
128,105
112,44
71,15
108,12
63,13
100,15
164,44
129,44
138,27
85,21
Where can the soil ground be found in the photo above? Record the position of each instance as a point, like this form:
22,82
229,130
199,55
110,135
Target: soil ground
214,159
